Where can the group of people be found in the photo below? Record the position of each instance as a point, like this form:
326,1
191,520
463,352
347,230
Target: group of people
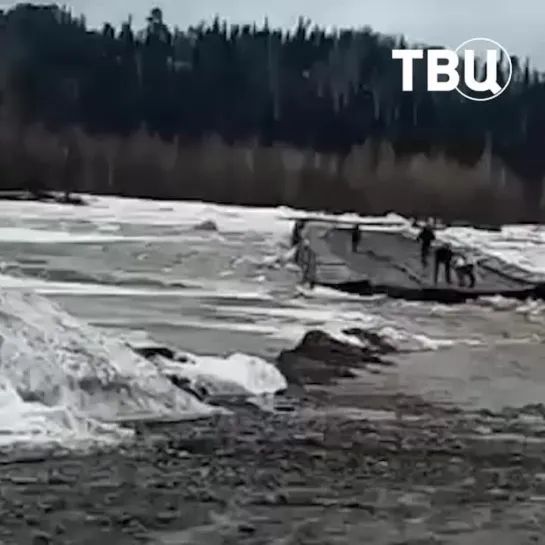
444,257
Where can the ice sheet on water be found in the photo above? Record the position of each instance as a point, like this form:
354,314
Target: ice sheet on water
38,236
341,321
524,244
27,423
204,290
61,379
110,212
238,374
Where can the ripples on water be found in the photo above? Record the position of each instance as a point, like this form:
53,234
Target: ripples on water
136,269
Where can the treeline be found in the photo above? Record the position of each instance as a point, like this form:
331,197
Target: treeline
255,91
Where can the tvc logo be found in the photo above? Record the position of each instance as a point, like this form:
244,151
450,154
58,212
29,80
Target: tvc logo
443,74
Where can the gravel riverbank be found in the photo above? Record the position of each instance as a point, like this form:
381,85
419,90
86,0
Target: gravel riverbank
341,463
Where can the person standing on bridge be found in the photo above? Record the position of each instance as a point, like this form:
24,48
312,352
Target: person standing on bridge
356,238
426,238
443,257
465,268
297,232
307,258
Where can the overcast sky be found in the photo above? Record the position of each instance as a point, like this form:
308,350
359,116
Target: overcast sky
516,25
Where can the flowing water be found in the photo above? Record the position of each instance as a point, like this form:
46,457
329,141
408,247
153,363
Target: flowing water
79,283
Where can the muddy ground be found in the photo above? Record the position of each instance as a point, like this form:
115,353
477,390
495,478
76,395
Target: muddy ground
339,462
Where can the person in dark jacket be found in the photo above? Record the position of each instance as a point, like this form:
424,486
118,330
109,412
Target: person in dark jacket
443,257
356,238
297,232
426,238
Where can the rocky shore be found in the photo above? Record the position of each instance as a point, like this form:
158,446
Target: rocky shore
311,478
338,462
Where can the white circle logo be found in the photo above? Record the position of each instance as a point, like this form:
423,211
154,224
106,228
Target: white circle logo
476,44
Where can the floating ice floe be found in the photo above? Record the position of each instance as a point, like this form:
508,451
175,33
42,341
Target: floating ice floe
62,380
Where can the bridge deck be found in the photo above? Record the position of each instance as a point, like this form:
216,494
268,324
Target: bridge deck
388,262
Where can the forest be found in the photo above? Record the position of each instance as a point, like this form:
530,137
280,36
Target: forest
249,114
